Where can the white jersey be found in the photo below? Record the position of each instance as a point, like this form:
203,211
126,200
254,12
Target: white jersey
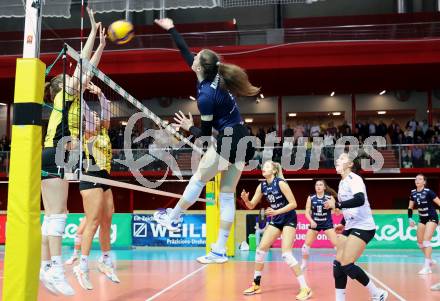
358,217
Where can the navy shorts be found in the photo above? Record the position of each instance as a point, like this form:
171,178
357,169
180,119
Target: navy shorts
322,227
286,219
49,169
239,132
426,219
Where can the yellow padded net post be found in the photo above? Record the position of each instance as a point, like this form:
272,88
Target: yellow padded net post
213,217
23,234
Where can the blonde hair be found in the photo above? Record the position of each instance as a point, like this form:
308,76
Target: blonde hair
277,168
232,77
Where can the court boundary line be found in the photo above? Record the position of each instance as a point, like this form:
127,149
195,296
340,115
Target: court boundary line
386,287
176,283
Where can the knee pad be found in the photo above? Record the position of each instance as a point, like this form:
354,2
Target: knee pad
420,245
339,275
260,256
289,259
305,249
78,239
426,244
227,207
56,225
193,190
44,226
355,272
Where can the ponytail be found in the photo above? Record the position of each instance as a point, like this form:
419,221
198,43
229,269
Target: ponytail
278,169
52,88
234,79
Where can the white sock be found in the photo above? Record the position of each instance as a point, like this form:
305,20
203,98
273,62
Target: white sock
302,281
175,213
84,263
427,262
106,258
340,294
45,265
372,288
257,273
222,239
56,260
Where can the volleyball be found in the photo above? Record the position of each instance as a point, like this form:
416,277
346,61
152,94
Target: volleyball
121,32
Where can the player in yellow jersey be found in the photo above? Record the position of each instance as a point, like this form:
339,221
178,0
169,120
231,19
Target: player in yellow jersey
63,122
97,198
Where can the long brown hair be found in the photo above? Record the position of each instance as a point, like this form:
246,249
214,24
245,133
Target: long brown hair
328,189
232,77
53,87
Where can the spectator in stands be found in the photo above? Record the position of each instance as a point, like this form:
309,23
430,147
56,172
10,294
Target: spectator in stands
261,135
288,132
408,136
372,128
418,135
412,124
417,156
298,131
315,131
395,134
381,129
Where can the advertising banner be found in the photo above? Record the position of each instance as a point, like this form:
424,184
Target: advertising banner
146,232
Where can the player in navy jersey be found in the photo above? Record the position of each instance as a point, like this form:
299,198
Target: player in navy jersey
359,230
282,210
424,198
218,85
320,219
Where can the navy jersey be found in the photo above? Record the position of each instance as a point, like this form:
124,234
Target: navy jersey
320,215
424,201
273,194
212,100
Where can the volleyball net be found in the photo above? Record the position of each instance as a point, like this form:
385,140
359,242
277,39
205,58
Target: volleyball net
118,134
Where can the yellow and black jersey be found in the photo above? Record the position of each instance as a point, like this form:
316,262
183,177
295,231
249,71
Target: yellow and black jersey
101,148
70,116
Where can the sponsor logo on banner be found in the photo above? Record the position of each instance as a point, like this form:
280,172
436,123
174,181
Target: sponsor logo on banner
301,231
120,230
146,232
393,232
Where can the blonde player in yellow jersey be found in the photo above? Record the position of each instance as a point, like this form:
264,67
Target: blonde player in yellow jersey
63,122
97,198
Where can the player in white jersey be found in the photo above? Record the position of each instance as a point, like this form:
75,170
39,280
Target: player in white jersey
359,230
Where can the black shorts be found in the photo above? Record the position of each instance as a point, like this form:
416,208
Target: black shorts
426,219
247,153
324,227
365,235
49,169
286,219
84,185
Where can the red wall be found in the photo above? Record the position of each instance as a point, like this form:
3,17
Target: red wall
382,194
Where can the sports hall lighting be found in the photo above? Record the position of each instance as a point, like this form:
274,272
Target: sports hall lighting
261,95
332,94
124,123
234,21
192,98
336,113
383,92
381,112
2,104
292,114
248,120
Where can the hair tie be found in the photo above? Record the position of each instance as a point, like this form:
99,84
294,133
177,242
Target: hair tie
218,63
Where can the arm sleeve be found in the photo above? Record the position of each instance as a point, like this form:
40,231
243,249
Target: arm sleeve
183,47
357,201
410,213
206,108
206,129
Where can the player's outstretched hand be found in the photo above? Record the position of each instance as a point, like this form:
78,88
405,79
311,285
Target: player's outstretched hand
165,23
